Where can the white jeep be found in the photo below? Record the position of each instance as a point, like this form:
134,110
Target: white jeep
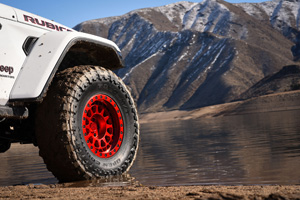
58,92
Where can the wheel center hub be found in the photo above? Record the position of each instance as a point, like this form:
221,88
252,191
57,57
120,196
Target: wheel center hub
93,126
100,126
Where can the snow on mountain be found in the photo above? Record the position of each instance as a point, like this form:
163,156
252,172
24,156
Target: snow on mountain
187,55
207,16
283,15
176,12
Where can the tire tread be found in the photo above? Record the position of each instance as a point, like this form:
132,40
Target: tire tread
56,143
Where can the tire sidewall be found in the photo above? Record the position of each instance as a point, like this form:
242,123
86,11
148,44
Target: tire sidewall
86,156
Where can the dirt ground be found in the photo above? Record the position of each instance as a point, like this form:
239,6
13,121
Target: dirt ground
143,192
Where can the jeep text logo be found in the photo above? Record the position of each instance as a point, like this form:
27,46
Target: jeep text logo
6,69
44,23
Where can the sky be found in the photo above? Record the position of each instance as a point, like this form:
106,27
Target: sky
72,12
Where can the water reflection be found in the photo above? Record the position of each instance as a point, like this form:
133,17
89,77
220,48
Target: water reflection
22,165
250,149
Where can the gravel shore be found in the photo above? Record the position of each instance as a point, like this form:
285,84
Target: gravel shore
143,192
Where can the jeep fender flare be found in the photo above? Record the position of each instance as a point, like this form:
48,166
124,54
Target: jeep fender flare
56,51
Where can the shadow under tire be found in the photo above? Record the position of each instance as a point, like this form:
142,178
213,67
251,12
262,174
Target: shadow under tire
87,125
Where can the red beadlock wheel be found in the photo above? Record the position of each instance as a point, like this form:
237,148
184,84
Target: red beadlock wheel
87,125
102,126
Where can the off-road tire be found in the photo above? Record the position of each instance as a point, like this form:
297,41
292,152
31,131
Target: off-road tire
68,144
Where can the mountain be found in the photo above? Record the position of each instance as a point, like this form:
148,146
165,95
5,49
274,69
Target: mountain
284,16
188,55
287,79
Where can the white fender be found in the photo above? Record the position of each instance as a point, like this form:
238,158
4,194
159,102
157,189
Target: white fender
43,61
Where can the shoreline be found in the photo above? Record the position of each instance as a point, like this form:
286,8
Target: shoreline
151,192
269,103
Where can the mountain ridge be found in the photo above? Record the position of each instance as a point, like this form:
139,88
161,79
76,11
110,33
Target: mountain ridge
287,79
188,55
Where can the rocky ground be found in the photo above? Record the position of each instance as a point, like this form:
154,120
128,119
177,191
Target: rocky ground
142,192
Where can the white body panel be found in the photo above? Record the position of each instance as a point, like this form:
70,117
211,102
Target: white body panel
7,12
24,77
12,56
7,78
39,65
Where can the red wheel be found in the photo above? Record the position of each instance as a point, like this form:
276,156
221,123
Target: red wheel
102,126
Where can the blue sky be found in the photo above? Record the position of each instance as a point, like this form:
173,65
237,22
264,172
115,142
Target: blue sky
73,12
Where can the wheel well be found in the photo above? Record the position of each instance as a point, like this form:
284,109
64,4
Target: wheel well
89,53
80,52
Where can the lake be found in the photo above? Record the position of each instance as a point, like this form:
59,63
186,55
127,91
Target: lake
248,149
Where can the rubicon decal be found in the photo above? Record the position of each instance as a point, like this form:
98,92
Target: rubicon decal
6,69
44,23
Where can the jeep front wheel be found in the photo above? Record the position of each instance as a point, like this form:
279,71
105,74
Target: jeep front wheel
87,125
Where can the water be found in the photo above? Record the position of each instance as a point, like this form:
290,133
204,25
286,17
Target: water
234,150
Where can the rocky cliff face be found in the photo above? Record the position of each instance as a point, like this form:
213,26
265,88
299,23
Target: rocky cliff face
187,55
